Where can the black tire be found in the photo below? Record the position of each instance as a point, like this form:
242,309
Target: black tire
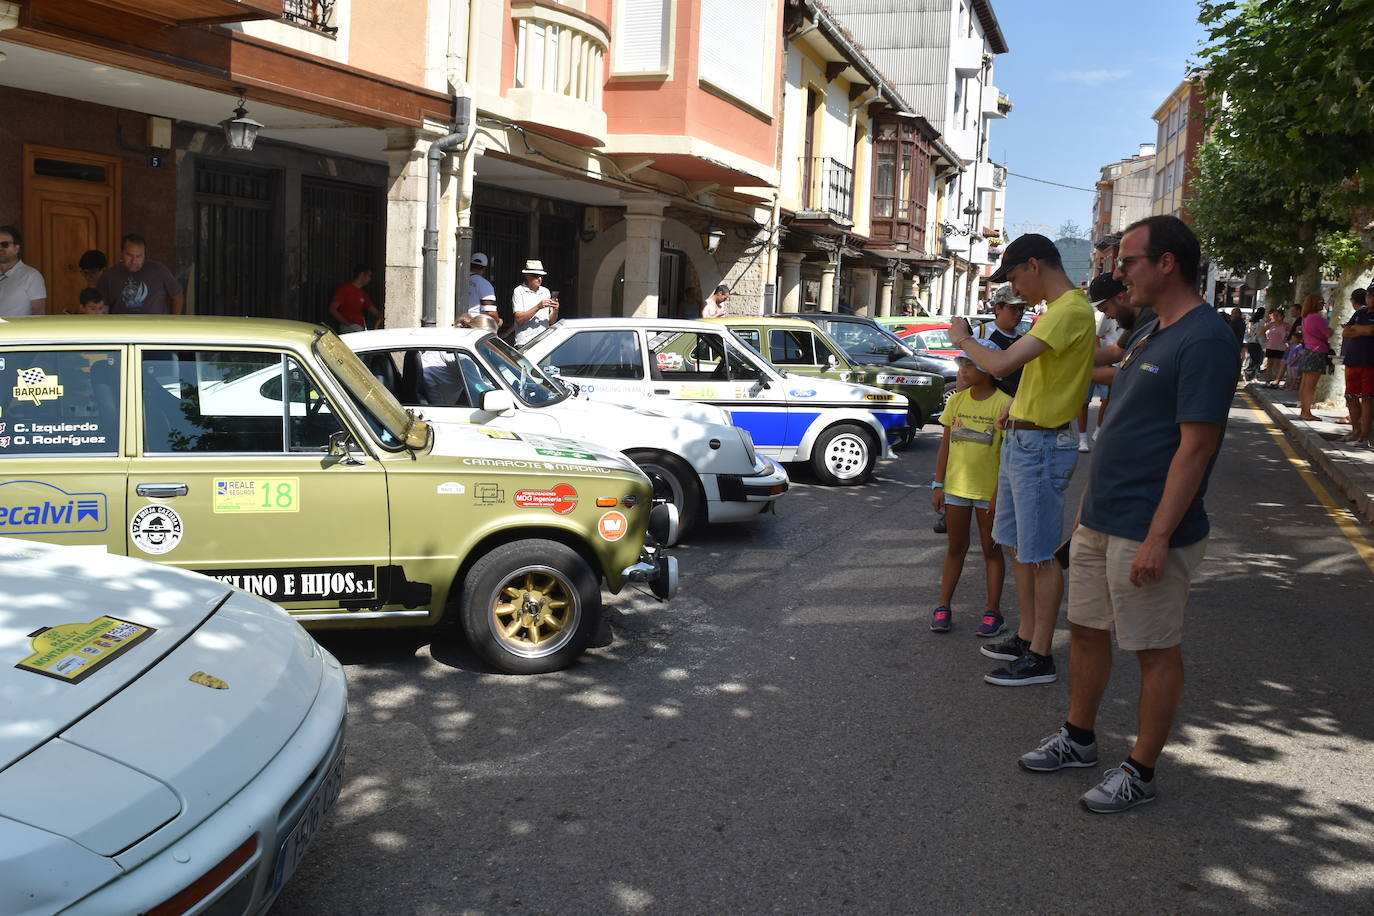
950,388
844,455
914,421
675,482
531,606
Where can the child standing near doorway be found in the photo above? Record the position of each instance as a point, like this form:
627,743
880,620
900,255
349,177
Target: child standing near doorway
965,485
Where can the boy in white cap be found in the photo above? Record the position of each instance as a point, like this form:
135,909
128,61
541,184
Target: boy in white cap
481,294
535,307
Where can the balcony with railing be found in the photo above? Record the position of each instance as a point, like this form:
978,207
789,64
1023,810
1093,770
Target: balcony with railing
560,57
312,14
827,190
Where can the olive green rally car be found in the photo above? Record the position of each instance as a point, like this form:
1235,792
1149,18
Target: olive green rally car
800,347
263,453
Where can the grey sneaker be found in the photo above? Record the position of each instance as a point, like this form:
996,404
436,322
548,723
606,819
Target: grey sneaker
1120,788
1059,751
1025,670
1006,650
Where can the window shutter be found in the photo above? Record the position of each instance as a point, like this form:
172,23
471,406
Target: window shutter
641,36
733,44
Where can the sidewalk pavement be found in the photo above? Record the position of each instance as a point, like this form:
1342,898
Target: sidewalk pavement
1348,465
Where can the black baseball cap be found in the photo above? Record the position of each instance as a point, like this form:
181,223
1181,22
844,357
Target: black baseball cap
1104,287
1021,250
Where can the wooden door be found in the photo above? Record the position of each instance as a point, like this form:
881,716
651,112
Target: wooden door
71,205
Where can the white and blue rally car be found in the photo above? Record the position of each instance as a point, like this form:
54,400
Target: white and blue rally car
840,428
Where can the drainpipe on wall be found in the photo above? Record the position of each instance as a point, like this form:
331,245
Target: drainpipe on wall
438,151
466,166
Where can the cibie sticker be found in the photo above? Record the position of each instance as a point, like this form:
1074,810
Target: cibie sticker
36,385
613,526
155,529
561,498
72,651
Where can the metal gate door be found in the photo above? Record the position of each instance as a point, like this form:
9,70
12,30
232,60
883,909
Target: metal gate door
502,235
341,226
235,265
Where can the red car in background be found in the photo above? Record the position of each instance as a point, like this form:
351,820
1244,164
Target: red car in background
930,336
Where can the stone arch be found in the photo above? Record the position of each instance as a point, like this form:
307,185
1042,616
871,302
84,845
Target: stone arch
607,251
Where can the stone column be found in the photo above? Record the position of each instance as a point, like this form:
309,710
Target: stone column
826,303
405,225
790,298
864,283
885,294
643,246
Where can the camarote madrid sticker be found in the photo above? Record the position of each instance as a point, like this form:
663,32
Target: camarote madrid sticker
72,651
155,529
36,385
242,495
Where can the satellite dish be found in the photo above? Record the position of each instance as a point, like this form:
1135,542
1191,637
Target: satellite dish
1257,279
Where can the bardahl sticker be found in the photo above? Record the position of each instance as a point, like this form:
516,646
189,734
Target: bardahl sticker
155,529
71,652
245,495
36,385
561,498
613,526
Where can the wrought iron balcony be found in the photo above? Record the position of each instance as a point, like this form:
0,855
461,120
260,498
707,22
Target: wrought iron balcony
828,187
313,14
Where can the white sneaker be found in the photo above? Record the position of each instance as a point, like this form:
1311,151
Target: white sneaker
1096,430
1083,445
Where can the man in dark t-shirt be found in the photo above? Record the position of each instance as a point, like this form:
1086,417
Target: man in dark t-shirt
1357,352
138,285
1143,527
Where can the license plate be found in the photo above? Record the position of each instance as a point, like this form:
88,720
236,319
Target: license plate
293,848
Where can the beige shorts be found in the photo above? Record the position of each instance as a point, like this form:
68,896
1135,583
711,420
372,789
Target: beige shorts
1102,597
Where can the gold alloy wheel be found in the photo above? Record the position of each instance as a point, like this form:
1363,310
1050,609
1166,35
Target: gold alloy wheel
535,611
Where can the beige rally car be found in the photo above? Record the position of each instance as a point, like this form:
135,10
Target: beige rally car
264,454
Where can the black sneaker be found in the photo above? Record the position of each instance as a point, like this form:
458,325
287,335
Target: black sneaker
1006,650
1028,669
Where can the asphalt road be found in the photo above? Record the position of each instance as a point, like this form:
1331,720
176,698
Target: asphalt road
787,736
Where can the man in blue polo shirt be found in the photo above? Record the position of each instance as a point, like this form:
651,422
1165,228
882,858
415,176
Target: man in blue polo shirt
1143,529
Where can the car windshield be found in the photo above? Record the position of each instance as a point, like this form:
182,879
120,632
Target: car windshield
860,337
937,339
388,419
524,378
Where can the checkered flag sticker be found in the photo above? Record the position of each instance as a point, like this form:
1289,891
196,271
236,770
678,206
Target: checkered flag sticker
32,376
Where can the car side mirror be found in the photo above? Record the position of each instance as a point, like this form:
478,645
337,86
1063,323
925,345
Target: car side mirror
832,362
552,371
341,447
497,401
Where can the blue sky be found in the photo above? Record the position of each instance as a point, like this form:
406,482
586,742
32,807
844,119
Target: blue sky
1084,78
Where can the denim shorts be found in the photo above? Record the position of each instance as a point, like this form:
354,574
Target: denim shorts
1035,472
952,500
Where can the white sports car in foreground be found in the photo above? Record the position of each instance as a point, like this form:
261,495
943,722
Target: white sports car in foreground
167,744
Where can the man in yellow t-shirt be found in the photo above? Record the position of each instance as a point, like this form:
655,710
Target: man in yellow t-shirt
1040,450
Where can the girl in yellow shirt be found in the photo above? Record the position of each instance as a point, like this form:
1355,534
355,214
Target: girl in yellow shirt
966,484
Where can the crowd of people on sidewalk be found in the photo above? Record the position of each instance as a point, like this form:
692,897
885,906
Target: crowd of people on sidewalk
1170,363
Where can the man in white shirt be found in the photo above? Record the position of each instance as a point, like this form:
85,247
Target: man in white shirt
714,306
481,294
534,306
22,290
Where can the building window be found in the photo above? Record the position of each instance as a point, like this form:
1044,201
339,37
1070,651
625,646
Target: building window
642,28
726,25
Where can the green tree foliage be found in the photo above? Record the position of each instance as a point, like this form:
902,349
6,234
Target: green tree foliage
1290,85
